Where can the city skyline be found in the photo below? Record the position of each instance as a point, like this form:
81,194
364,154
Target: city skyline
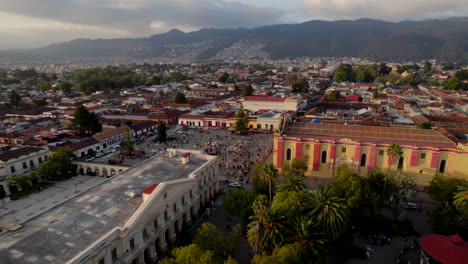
29,24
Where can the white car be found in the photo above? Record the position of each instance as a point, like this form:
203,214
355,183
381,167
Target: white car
410,206
235,185
90,159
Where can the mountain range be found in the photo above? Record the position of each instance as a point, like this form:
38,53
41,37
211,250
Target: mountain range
444,39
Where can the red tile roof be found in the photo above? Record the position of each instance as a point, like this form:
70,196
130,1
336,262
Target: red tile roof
150,189
13,154
265,98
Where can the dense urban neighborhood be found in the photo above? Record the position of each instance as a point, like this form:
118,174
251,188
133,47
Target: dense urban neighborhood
294,160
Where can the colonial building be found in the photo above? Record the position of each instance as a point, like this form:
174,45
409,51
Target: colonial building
19,161
256,103
129,218
324,147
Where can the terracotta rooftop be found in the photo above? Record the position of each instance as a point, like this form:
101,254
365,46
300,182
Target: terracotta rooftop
110,133
387,134
265,98
13,154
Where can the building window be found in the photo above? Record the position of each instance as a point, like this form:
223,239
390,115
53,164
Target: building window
114,254
31,163
442,166
183,199
306,158
288,154
40,160
45,157
381,152
174,206
25,165
343,150
307,147
165,216
145,234
191,194
363,160
401,161
423,155
132,244
155,224
101,261
12,169
324,157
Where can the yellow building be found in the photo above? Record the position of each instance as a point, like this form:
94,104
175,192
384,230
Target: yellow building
324,147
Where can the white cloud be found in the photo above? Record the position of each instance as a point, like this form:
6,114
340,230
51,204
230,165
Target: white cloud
134,18
393,10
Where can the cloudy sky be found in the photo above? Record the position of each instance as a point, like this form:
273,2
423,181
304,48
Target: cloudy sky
36,23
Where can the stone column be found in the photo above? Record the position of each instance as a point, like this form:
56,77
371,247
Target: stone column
331,162
152,252
162,242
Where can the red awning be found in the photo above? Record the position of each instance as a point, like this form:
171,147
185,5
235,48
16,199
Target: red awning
446,249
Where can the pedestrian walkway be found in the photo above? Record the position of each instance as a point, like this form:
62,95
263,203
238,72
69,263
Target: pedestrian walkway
35,203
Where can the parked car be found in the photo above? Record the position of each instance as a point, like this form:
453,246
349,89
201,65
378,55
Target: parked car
410,206
90,159
235,185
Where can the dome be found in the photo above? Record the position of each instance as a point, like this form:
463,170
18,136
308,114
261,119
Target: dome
315,121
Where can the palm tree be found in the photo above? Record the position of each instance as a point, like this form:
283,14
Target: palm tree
394,151
461,199
266,230
328,210
305,232
293,182
268,175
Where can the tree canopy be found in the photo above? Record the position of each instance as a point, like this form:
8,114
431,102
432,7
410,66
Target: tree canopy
180,98
87,122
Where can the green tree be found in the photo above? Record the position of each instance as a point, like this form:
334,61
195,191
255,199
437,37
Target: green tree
462,74
289,203
394,78
43,87
85,121
461,199
328,210
224,77
425,125
14,98
265,231
343,73
427,67
351,187
443,189
384,70
180,98
366,73
22,181
247,90
269,175
408,79
404,191
58,166
242,122
239,203
291,79
211,238
287,254
334,95
128,142
375,93
453,84
394,152
444,220
300,86
192,254
295,167
294,182
306,232
65,87
162,134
